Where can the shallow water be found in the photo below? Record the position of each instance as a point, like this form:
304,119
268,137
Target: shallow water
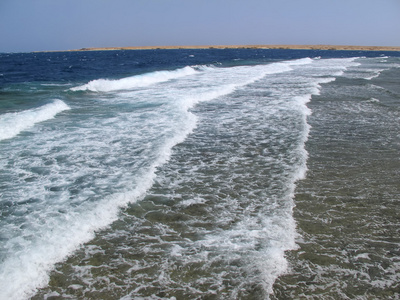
346,208
179,180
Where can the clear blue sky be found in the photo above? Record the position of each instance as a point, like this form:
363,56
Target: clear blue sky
34,25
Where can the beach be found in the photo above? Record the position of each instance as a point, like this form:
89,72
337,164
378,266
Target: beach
294,47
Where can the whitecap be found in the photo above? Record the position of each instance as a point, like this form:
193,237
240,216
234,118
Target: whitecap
107,85
11,124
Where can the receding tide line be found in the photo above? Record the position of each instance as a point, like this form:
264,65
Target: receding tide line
11,124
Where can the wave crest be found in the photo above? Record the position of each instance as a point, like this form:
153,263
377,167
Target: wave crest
107,85
11,124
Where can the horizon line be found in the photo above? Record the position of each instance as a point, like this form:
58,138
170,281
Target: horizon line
274,46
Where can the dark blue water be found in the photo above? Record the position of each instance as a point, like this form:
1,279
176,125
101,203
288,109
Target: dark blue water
226,174
77,66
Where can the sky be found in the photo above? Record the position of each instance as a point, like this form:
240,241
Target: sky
38,25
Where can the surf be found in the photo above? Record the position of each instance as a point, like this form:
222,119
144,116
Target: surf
72,220
107,154
137,81
12,124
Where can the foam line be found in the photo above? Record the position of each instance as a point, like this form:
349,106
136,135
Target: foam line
64,234
106,85
11,124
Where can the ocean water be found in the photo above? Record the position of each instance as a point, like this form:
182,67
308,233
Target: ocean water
199,174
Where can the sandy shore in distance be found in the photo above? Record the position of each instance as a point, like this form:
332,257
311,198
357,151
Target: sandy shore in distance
300,47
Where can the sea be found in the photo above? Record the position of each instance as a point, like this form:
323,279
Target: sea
200,174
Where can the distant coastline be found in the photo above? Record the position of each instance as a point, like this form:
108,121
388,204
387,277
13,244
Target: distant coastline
294,47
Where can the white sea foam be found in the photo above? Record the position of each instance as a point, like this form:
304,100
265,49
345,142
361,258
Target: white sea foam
11,124
63,226
106,85
275,231
301,61
143,80
375,74
60,236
